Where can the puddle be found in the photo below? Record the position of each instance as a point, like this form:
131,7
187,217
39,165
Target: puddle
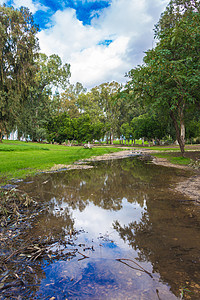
125,232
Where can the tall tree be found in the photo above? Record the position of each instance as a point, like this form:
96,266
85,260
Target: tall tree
51,74
169,79
69,99
18,49
107,97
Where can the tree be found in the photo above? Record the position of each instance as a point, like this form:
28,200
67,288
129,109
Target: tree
193,125
149,127
169,79
60,128
126,131
85,130
18,49
89,104
39,107
69,99
107,97
103,104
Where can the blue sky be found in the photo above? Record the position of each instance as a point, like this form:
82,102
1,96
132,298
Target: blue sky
101,39
85,10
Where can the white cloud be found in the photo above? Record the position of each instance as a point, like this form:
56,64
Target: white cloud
128,23
28,3
68,35
99,64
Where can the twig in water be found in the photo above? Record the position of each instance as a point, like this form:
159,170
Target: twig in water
157,292
84,256
141,268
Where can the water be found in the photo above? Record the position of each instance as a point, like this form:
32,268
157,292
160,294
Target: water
131,235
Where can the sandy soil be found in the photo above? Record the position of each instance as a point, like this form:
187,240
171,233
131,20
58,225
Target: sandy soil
191,188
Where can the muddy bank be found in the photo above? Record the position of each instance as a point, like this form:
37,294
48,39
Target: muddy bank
82,164
189,187
164,162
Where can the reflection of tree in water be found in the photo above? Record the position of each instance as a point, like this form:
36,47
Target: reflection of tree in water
106,186
168,238
54,223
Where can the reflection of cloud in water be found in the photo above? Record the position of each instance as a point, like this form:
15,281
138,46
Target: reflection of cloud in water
99,279
96,220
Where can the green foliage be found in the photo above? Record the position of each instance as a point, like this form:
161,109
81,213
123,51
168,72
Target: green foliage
149,127
39,106
103,104
18,49
126,131
62,128
169,79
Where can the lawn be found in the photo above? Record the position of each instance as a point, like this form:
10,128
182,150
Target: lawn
174,160
20,159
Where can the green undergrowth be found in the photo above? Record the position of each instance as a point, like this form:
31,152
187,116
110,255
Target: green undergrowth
21,159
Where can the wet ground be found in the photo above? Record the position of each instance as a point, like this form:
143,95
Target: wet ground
117,231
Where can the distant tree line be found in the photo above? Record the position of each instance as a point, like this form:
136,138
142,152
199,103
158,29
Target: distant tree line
160,100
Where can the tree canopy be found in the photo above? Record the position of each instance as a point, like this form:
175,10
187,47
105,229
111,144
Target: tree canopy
18,50
37,98
169,79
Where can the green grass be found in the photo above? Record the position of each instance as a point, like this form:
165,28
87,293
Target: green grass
8,147
20,159
173,159
163,149
137,142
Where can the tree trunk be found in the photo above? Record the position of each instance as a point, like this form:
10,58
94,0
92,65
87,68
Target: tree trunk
183,132
111,138
142,141
179,133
